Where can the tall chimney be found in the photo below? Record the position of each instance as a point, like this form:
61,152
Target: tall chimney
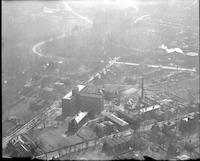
142,88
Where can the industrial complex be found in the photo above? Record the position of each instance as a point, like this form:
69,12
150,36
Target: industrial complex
106,80
118,118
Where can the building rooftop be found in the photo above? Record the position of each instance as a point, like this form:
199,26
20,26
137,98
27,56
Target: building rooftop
115,118
68,95
25,148
143,110
22,149
94,95
80,116
91,89
128,114
117,141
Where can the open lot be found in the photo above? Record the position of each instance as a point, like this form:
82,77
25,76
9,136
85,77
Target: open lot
52,138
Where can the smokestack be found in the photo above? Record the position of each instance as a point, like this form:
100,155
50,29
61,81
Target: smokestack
142,89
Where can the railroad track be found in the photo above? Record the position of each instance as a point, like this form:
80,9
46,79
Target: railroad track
36,120
32,123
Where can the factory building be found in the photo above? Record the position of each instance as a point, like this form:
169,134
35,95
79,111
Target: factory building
77,122
21,150
82,98
69,101
116,145
22,146
131,118
159,115
121,124
104,128
149,112
148,109
100,130
91,100
189,124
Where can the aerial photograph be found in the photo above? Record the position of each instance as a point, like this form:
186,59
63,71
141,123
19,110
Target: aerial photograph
100,79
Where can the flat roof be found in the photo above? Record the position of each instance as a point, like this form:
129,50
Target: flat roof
143,110
80,116
108,122
130,115
68,95
115,119
91,89
94,95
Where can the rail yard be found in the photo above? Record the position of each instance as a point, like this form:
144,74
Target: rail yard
108,81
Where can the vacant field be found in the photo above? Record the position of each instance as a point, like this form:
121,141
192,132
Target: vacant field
52,138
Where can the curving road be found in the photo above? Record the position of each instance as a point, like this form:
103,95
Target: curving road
37,50
46,112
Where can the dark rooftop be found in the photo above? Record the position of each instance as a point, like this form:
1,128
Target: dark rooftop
91,89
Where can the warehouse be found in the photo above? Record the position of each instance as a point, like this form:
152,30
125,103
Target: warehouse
151,108
69,106
91,100
127,116
104,128
84,98
116,145
22,146
77,122
121,124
